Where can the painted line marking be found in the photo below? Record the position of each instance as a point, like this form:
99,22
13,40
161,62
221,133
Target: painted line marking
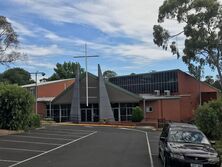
148,143
62,132
36,137
6,160
70,130
150,153
29,142
53,134
20,149
46,152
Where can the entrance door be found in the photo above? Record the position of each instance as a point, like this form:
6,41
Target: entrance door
83,115
116,113
89,115
86,115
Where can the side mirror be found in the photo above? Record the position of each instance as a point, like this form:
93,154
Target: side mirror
212,142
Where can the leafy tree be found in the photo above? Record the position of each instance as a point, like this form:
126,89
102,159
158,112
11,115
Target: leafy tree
213,82
132,74
65,71
209,79
109,73
16,76
217,85
8,42
202,20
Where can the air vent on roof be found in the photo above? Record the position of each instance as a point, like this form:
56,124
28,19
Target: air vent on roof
166,92
157,92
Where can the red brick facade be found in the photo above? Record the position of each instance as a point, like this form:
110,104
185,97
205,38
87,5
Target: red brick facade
181,108
47,91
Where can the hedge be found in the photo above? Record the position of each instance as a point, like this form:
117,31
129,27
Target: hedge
16,107
208,118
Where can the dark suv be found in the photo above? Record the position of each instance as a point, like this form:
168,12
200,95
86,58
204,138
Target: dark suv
183,145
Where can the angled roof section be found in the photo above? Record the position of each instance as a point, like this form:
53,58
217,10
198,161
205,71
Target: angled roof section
46,83
116,93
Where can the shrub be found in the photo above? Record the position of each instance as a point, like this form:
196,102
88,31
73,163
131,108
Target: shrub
208,118
16,107
34,121
137,115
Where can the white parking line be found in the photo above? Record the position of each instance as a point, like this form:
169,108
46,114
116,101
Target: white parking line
46,152
148,144
70,130
36,137
29,142
18,149
5,160
54,134
62,132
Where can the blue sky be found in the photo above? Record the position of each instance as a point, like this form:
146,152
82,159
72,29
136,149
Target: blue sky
120,31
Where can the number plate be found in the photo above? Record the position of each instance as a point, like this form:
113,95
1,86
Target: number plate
196,165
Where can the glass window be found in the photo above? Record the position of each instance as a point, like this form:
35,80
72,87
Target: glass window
187,137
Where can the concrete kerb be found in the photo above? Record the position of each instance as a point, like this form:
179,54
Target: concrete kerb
96,125
108,125
4,132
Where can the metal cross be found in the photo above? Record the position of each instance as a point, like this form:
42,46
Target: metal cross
86,60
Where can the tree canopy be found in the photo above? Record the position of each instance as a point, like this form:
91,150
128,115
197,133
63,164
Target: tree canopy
65,71
16,76
8,42
202,28
213,82
109,73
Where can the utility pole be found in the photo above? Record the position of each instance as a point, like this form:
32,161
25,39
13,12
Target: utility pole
86,61
36,88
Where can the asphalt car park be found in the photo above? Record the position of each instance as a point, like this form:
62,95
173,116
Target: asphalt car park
56,146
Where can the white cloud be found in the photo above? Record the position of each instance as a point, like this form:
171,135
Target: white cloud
117,18
35,50
20,28
126,17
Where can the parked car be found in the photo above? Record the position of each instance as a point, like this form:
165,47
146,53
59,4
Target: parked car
184,145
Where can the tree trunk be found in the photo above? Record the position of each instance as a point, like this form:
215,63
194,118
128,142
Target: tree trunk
220,75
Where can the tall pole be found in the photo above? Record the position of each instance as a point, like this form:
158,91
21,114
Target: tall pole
87,91
36,88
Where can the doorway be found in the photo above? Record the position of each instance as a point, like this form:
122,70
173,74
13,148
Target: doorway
86,115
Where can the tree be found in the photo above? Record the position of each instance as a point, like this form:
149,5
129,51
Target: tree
109,73
132,74
8,42
213,82
202,20
65,71
16,76
209,79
